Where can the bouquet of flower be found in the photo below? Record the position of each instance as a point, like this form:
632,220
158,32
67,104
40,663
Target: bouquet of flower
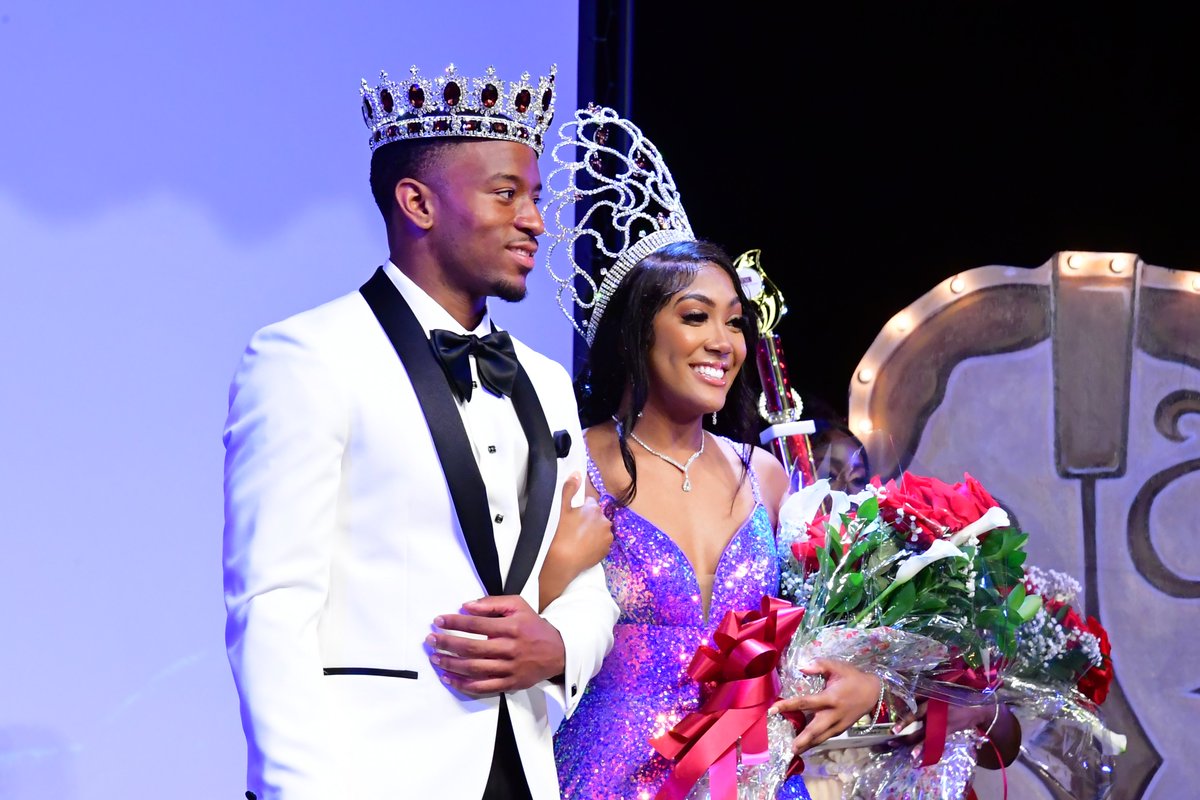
1057,646
1058,681
918,581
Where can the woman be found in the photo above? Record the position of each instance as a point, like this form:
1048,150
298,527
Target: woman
693,513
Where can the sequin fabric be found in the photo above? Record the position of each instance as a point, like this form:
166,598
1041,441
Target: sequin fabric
603,751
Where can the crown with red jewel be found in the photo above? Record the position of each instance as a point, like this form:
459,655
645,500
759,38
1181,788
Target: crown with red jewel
457,105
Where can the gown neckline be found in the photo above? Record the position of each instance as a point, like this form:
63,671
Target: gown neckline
692,575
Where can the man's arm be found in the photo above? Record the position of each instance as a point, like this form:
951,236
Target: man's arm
284,440
584,613
524,649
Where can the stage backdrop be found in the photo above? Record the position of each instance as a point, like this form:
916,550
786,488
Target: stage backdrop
172,177
1072,392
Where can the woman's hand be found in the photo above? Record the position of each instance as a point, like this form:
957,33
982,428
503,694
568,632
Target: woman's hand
849,693
582,540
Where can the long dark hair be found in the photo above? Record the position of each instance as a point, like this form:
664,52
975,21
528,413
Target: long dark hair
620,353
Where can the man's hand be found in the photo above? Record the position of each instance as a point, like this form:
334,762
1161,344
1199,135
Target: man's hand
848,694
582,540
520,650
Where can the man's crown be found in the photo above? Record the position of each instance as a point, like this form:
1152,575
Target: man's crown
456,105
609,186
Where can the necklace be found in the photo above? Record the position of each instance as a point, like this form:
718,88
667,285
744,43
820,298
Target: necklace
684,467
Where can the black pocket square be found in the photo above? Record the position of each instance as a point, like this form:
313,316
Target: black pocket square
562,443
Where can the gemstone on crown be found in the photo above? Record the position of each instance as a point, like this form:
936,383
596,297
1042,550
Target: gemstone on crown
456,105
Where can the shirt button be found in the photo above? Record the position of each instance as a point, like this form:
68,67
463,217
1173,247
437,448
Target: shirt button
491,448
499,518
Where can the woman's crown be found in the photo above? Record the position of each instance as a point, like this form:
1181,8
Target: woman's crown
609,186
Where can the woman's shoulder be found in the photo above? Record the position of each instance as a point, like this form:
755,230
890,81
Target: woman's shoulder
603,452
773,479
601,440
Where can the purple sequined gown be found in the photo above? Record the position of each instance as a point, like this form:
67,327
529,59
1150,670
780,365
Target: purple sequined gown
603,751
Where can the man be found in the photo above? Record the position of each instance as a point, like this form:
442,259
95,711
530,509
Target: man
392,483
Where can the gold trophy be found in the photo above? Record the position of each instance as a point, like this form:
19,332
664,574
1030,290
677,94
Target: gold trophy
779,405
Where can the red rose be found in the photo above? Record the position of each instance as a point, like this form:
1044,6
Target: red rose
938,507
805,550
974,489
1073,622
1095,683
968,501
916,508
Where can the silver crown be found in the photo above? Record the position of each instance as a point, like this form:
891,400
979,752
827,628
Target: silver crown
639,195
456,105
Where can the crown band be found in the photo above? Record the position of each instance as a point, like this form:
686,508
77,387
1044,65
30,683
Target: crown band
455,105
625,262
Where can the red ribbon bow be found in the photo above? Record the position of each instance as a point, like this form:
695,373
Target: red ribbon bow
749,645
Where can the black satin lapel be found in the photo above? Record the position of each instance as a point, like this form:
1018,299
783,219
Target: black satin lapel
540,484
445,424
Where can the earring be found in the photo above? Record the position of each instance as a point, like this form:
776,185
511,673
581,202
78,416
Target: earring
714,419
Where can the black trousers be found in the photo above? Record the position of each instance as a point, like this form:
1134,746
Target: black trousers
507,779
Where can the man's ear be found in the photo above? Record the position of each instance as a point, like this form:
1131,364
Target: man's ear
415,202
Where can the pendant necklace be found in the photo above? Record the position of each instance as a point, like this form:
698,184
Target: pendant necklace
684,467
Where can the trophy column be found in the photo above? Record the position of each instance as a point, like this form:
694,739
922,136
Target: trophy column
779,406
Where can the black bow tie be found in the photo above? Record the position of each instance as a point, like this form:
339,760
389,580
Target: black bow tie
495,360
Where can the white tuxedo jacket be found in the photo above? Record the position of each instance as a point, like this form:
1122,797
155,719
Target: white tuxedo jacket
346,534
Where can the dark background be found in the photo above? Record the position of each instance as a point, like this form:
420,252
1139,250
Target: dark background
872,151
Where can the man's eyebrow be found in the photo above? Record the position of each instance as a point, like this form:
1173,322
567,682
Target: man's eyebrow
508,177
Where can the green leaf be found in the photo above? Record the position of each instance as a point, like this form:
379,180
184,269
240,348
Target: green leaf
849,595
868,510
1007,642
901,604
990,618
929,603
1029,608
860,549
834,542
992,546
1016,597
844,588
825,562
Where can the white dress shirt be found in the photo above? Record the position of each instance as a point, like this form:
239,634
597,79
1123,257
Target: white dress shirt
495,432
